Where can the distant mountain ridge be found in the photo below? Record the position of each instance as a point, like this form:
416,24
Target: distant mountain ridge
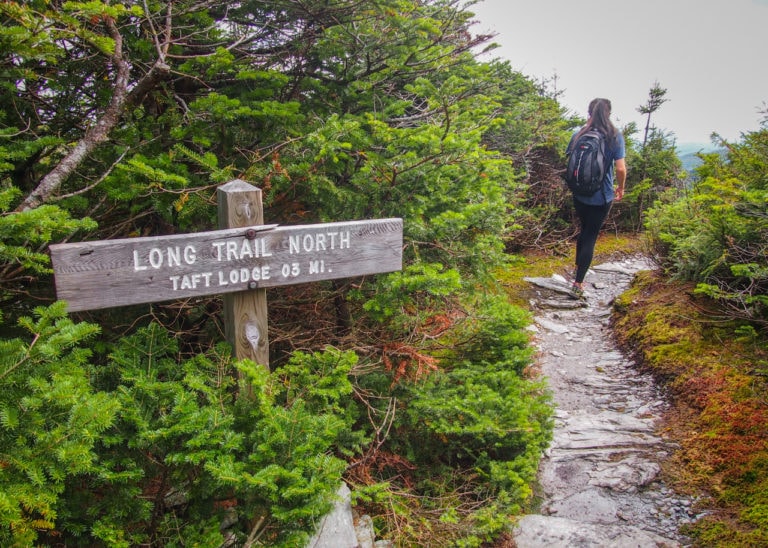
687,152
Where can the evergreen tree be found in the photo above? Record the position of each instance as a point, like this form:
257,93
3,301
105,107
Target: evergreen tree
655,100
714,234
653,165
119,120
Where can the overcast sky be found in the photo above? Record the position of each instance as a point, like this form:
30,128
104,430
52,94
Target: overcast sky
710,55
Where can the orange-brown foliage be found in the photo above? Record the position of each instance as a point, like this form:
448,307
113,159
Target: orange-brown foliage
720,411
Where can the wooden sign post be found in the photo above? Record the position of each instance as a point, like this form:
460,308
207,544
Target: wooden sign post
239,261
245,312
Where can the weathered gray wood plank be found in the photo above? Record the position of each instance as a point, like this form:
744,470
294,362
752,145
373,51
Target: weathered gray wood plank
108,273
245,312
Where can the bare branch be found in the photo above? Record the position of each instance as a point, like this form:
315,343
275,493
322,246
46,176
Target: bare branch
95,135
93,185
99,132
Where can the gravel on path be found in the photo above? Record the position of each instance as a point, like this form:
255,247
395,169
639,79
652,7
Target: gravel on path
600,480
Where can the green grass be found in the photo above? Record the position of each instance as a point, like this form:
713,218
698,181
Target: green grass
544,263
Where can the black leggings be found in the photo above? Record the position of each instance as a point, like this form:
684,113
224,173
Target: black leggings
591,218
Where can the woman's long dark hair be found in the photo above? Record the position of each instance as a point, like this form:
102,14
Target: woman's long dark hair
600,118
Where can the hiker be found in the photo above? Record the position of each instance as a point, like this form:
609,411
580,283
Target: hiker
592,206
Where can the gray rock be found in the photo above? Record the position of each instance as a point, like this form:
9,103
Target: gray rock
600,477
552,326
364,532
553,284
536,531
341,529
337,529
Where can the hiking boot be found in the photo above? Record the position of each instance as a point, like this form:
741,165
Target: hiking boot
577,293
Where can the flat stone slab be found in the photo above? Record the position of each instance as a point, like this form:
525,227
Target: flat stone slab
553,326
628,268
556,532
562,288
561,304
556,284
600,480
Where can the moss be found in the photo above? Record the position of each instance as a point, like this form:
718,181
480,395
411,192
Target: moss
719,416
543,263
609,245
710,532
714,371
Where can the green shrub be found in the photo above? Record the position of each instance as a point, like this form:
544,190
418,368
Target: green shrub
166,449
474,430
50,421
715,234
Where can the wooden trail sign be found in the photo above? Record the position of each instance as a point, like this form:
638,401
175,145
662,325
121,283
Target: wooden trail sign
239,261
107,273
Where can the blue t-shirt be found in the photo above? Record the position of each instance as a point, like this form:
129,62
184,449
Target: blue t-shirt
615,151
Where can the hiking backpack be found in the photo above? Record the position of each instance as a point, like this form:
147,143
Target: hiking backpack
586,164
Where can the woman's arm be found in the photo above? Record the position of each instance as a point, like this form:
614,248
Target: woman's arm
620,167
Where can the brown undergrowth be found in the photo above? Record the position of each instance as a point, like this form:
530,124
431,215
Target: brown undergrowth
715,372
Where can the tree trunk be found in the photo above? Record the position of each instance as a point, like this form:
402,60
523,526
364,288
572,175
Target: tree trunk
99,133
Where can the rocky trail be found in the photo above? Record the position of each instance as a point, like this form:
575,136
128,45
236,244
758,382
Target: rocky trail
600,480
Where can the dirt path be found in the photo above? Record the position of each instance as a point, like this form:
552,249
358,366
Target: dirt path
600,479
